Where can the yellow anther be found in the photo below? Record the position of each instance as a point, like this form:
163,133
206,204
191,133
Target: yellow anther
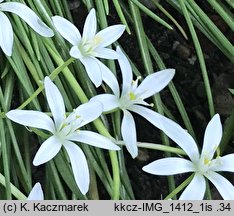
207,161
132,96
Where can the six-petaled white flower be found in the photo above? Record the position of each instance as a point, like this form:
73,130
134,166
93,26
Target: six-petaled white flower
132,97
36,193
91,44
6,32
202,164
65,130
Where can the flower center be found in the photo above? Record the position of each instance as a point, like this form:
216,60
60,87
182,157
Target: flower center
87,47
203,165
68,126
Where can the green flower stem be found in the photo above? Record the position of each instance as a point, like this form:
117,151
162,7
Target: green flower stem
107,182
121,15
104,24
56,180
24,180
228,133
200,57
97,123
180,187
141,36
173,91
230,2
222,13
213,28
53,75
158,147
161,8
17,194
151,14
6,161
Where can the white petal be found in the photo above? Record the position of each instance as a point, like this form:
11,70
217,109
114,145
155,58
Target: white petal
109,101
154,83
128,131
55,101
90,26
93,70
169,166
106,53
32,119
225,163
47,151
36,193
212,137
67,30
109,78
171,129
6,34
94,139
196,189
88,112
75,52
126,71
79,166
225,188
110,34
29,16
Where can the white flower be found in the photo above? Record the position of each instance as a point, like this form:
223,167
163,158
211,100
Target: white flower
202,164
132,97
64,131
91,44
36,193
6,32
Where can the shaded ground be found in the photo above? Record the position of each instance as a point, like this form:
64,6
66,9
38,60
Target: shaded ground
180,54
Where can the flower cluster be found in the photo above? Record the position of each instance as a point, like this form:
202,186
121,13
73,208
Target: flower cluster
66,130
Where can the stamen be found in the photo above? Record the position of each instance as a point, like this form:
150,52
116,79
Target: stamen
207,161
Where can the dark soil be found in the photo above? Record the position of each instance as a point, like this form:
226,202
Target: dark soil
178,53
